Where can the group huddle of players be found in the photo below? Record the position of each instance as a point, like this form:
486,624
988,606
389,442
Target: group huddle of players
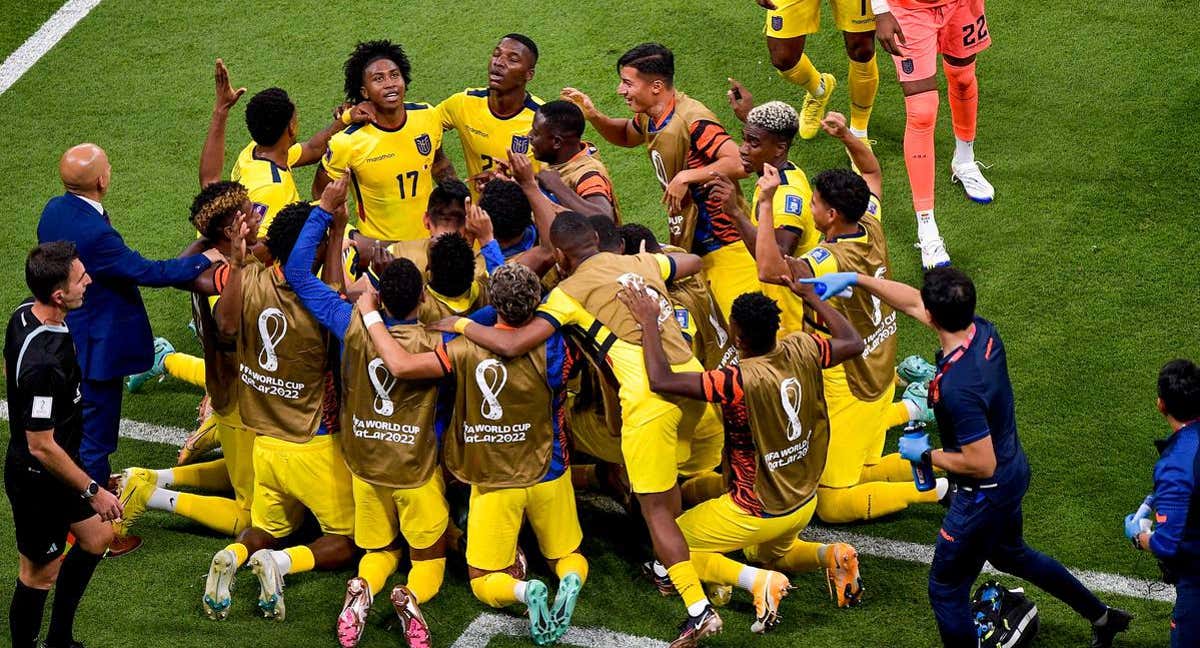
504,342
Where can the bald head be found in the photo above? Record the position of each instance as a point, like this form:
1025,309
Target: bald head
84,170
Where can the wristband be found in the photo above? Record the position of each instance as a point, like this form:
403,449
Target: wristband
880,7
346,117
371,319
461,324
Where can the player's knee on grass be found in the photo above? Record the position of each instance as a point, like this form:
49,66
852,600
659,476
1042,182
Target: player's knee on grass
333,551
494,589
785,52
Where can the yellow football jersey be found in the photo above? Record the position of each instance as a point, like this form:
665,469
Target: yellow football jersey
269,185
792,208
390,171
486,138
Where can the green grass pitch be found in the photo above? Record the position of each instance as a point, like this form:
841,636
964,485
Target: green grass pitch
1086,260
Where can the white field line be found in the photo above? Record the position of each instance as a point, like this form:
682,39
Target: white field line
864,544
487,625
36,46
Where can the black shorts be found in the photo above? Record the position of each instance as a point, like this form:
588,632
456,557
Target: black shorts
43,509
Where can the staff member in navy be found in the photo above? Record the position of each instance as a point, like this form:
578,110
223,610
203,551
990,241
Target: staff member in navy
973,400
1175,538
50,493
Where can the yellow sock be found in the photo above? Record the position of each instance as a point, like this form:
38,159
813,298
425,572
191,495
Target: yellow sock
891,468
868,501
376,566
187,368
220,514
702,487
687,583
802,556
239,550
209,475
897,414
864,82
497,589
805,74
716,568
302,559
425,578
573,563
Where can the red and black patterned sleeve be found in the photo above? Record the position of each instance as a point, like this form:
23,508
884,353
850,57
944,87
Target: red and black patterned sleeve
824,350
593,183
723,386
707,138
443,357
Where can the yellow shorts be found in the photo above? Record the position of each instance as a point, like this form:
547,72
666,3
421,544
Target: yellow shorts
290,477
495,521
591,434
721,526
701,451
730,271
237,444
856,433
380,513
791,319
795,18
650,449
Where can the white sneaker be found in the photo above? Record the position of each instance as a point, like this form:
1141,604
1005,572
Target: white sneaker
933,253
270,584
973,182
219,584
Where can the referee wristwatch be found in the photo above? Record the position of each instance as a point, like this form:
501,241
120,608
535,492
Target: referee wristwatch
90,492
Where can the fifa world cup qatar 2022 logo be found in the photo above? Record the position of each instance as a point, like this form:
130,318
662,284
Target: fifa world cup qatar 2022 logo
491,375
272,327
382,381
791,395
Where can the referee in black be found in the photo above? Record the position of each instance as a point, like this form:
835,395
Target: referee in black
49,492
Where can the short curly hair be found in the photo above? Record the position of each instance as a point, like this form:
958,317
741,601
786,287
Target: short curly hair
515,292
757,319
216,206
284,230
268,115
508,208
451,265
366,53
777,118
400,286
635,234
845,191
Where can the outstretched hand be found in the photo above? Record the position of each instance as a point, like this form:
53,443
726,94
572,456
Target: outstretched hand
644,307
580,99
832,284
334,195
740,99
226,95
479,223
445,325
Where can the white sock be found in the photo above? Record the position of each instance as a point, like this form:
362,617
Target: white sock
747,576
820,93
163,499
519,591
860,134
164,477
926,227
695,609
964,152
282,560
914,410
943,485
659,570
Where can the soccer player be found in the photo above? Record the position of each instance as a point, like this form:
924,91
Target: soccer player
506,441
914,32
1172,539
287,398
789,22
778,432
264,166
395,160
512,216
390,439
972,398
49,491
767,139
652,426
686,144
856,484
217,213
575,177
494,120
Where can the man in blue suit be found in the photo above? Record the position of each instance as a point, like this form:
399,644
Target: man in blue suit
111,330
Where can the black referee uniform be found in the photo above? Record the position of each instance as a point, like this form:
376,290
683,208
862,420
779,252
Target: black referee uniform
43,393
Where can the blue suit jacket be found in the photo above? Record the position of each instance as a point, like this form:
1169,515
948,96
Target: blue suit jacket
111,330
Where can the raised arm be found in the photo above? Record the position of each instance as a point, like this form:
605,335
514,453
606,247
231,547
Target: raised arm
317,298
620,131
544,211
399,362
509,343
846,342
312,149
663,379
228,310
899,296
212,156
772,267
860,154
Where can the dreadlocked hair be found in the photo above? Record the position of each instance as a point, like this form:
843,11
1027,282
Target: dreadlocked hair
215,207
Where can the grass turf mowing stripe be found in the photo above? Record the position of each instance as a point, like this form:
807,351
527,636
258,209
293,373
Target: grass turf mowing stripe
135,430
36,46
488,625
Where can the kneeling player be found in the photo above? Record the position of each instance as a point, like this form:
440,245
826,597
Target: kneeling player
506,440
287,400
778,433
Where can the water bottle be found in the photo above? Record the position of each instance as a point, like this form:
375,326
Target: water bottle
922,470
